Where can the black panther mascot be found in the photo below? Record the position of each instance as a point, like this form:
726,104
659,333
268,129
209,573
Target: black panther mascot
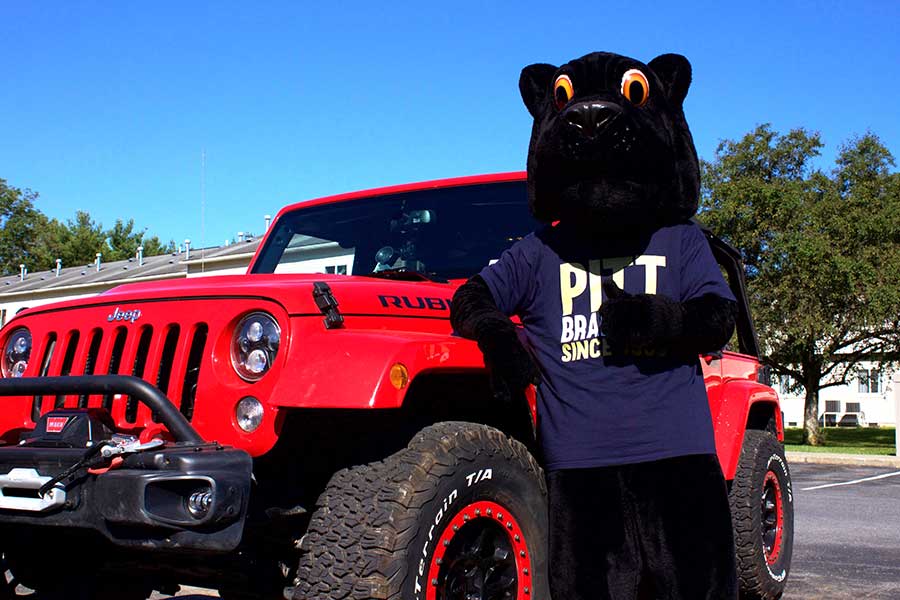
618,295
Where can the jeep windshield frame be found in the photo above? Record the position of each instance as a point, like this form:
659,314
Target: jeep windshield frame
446,232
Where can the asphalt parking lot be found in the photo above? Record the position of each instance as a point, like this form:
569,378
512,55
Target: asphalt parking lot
847,540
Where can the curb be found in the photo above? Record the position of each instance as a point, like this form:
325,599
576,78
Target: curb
856,460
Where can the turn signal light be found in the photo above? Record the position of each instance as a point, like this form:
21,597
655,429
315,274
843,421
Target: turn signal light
399,376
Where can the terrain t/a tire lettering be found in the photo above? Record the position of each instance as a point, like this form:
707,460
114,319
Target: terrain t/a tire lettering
461,510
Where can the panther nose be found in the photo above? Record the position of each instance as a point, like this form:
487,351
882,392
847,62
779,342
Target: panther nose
591,118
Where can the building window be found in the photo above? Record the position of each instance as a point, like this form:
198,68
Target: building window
853,407
336,269
833,406
869,381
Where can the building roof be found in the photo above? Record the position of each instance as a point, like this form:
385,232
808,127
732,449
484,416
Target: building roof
122,271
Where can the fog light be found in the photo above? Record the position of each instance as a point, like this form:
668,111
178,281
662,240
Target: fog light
248,413
199,503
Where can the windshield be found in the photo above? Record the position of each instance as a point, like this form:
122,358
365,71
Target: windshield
444,232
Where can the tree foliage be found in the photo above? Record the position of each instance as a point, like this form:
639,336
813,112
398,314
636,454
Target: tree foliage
23,230
822,251
29,237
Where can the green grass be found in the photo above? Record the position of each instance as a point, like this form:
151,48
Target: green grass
846,440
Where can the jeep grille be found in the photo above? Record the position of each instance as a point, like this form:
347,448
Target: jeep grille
169,357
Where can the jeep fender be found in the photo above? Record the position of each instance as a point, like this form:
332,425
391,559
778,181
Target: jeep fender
743,401
350,369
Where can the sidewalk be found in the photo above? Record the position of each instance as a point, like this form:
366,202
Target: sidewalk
857,460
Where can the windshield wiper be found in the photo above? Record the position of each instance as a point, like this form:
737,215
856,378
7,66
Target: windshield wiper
404,274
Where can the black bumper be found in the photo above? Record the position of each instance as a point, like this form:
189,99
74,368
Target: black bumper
144,501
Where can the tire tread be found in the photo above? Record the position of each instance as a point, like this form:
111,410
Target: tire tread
357,542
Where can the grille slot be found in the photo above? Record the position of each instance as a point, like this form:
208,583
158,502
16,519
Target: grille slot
68,360
115,361
166,361
91,362
192,372
140,363
37,406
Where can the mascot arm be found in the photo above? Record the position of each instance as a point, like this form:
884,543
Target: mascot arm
474,315
707,323
656,324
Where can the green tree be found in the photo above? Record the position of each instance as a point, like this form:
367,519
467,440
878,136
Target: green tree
822,251
24,231
28,237
122,241
82,239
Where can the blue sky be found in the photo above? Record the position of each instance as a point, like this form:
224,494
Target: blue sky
107,107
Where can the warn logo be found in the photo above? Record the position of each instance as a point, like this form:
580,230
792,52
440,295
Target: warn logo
56,424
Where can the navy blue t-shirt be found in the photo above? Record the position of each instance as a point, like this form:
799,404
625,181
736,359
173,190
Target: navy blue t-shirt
597,409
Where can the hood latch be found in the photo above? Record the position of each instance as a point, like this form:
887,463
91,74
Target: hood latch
327,303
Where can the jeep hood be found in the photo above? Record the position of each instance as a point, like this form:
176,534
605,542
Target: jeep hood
355,295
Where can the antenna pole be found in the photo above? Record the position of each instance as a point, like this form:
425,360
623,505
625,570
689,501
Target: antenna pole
202,206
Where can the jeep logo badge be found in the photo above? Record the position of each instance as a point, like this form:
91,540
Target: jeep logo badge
124,315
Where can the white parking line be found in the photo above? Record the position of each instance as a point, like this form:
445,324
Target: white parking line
873,478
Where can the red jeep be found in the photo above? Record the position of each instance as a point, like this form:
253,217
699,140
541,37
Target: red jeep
313,429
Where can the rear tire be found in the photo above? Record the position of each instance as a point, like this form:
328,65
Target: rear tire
762,512
463,507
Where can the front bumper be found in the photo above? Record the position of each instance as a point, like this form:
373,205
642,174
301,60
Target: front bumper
145,501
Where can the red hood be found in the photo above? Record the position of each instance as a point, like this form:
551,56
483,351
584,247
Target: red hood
355,295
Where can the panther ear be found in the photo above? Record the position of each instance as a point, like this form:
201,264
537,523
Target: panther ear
674,71
534,85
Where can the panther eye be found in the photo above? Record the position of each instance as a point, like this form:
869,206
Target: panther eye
563,91
635,87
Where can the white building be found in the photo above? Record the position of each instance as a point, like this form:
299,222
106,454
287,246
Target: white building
868,397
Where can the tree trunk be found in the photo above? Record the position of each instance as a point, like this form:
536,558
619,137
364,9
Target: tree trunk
811,434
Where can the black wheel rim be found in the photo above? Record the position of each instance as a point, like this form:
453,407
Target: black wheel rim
478,565
772,517
481,555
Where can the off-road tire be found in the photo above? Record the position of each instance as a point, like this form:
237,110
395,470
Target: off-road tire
390,530
762,508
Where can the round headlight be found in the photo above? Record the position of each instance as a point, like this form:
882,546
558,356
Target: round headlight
248,413
255,345
16,353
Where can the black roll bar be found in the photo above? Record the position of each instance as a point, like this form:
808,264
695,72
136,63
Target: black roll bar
134,387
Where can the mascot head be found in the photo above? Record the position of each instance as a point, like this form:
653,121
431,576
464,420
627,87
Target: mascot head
610,145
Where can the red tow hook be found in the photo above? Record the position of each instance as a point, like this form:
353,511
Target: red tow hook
115,463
